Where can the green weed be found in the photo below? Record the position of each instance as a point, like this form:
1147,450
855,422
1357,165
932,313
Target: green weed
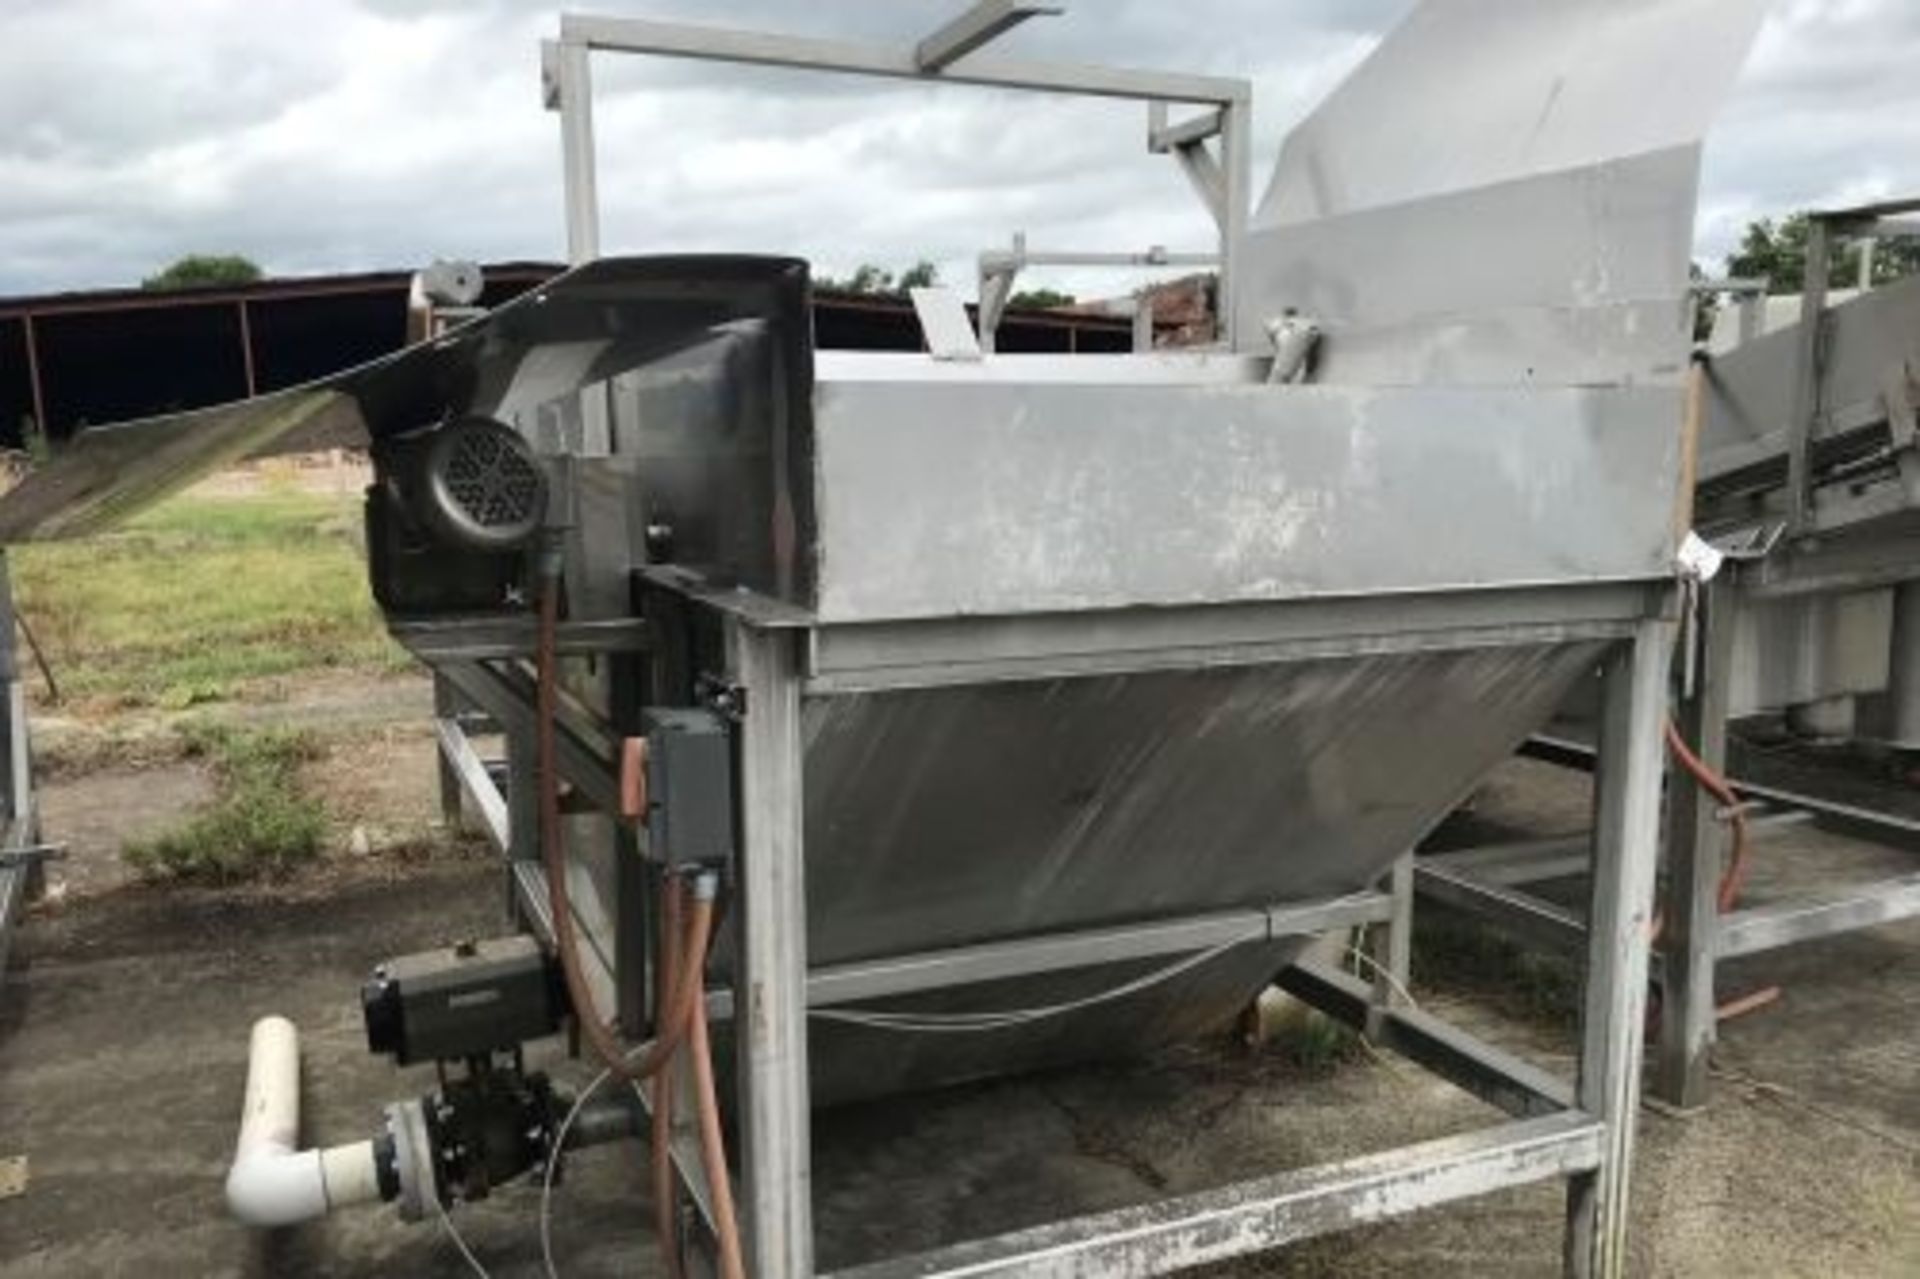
261,824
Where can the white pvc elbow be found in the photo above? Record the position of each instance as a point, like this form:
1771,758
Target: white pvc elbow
273,1182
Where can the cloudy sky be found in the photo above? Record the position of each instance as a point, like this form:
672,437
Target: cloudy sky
323,135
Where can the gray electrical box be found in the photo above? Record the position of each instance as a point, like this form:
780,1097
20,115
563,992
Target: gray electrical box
469,1000
689,818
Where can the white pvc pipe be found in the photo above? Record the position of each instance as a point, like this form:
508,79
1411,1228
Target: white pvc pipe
273,1182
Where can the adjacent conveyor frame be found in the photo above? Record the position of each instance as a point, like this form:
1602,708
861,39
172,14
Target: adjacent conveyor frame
1492,883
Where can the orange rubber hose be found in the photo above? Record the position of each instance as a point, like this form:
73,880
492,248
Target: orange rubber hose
666,1188
713,1150
1717,786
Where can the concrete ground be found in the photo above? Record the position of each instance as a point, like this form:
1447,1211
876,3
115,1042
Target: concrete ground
123,1026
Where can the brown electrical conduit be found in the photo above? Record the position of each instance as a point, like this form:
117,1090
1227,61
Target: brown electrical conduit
687,1010
666,1188
1717,786
1735,873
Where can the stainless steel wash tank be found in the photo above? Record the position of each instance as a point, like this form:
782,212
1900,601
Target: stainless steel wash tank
1092,644
1099,642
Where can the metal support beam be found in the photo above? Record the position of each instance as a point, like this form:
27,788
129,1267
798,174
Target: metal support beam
801,53
460,762
1254,1216
1236,139
511,635
34,385
567,74
1533,920
1695,847
1203,173
447,706
1492,1074
1394,957
20,873
771,949
1882,229
246,346
1744,932
1880,826
1163,137
1088,948
982,23
1807,377
1613,1018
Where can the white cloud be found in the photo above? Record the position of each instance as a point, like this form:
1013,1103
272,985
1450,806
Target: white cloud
319,135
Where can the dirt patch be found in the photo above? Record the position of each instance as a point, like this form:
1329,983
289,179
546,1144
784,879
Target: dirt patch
106,782
94,814
380,788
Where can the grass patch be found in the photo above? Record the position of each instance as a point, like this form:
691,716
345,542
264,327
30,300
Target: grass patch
262,823
1317,1044
201,594
1453,954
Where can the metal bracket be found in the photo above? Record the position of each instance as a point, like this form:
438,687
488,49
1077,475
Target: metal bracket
31,855
1187,143
1896,392
982,23
721,696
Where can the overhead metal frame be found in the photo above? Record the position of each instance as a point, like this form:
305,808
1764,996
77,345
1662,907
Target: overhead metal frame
951,55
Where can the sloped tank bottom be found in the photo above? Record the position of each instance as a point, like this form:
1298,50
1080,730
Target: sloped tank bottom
949,817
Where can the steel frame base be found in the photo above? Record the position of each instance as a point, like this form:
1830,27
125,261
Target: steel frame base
1580,1131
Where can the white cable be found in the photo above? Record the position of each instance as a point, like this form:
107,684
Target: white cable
953,1023
553,1163
1383,973
453,1233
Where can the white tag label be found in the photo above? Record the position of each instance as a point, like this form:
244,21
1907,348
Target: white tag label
1698,558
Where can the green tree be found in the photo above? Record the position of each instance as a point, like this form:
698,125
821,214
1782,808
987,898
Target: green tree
1040,299
880,282
1777,253
866,278
203,271
1706,306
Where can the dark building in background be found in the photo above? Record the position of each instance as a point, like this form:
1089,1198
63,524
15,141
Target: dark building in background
68,360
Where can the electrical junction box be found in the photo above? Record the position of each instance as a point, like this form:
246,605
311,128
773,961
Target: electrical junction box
689,772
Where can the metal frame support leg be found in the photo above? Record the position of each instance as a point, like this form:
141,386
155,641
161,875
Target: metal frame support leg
1807,376
1694,851
1392,952
1612,1027
573,97
771,1019
447,705
523,814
